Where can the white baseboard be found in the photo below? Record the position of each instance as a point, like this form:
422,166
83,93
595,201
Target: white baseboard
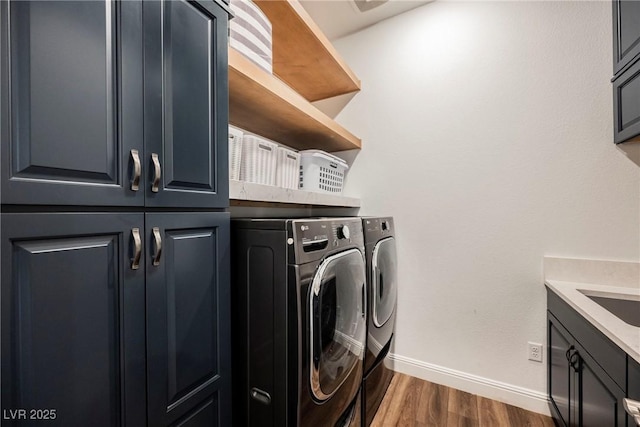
521,397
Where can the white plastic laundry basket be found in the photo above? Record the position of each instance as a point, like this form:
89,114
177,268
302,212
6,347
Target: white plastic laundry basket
235,152
287,172
322,172
259,159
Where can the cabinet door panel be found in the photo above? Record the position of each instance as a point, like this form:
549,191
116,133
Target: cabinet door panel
634,378
626,105
187,314
633,385
72,324
626,32
608,355
186,97
559,371
600,397
204,415
71,101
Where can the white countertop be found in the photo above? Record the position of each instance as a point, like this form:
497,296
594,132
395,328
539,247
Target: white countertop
626,336
248,191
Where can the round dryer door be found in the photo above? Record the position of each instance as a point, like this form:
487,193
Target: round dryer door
338,323
383,280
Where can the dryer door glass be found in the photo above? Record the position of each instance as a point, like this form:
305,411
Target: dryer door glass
338,324
383,280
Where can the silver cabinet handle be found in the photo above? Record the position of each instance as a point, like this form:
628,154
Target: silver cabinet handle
137,170
158,240
633,409
157,173
137,248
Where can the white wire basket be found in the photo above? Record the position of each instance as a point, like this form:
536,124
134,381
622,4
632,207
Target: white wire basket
235,152
259,159
287,172
322,172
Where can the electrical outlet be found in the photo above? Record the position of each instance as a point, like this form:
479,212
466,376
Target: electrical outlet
535,352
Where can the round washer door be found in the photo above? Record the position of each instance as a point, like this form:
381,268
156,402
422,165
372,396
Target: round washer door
337,320
384,280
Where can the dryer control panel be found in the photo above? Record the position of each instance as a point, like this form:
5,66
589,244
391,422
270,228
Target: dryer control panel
376,228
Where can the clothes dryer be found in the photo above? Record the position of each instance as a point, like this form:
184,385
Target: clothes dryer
381,259
299,321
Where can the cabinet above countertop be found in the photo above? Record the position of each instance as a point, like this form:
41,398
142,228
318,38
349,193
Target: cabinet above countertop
626,69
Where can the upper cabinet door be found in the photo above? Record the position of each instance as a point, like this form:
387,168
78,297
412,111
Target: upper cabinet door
626,32
186,104
626,105
188,332
71,102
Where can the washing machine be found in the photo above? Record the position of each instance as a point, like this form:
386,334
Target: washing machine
381,260
298,321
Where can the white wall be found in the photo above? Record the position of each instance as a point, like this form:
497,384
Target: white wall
487,134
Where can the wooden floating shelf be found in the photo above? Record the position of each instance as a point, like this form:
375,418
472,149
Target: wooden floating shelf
250,192
263,104
303,57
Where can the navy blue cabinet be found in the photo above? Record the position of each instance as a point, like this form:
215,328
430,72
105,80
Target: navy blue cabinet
188,338
626,70
634,379
588,377
626,105
73,320
633,391
561,381
626,33
71,104
186,104
600,398
121,317
114,103
581,392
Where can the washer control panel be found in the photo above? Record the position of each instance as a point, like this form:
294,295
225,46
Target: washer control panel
320,235
343,232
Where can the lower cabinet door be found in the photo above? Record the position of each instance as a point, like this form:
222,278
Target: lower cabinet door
633,385
73,326
188,348
561,379
600,397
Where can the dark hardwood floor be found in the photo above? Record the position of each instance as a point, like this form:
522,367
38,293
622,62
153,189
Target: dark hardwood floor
411,401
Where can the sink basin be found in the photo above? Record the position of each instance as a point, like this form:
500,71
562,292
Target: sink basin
627,310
